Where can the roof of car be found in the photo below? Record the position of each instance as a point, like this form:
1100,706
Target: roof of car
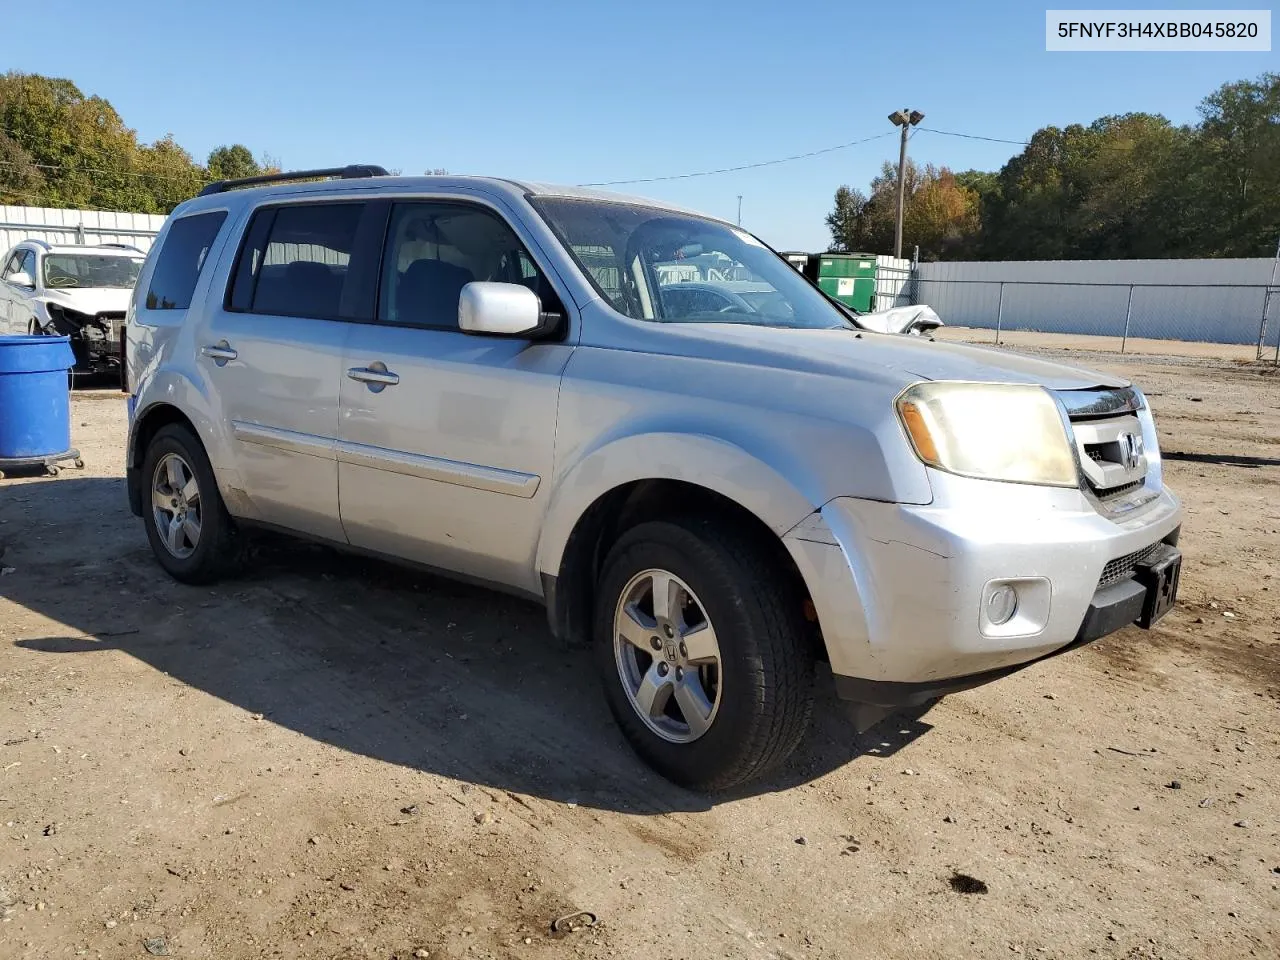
106,250
512,189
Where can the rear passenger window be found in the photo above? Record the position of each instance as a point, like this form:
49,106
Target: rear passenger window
434,249
185,249
295,260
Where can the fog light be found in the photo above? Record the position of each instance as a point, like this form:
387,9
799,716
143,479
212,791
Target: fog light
1002,604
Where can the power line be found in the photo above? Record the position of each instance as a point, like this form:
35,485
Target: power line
1114,147
745,166
108,173
974,136
6,192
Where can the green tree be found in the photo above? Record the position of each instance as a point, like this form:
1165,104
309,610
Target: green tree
79,143
167,176
939,213
61,148
845,221
1235,168
232,163
20,178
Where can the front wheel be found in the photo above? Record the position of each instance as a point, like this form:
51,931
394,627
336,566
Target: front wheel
700,641
191,534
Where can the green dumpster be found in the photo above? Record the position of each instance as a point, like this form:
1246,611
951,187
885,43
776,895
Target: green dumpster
849,277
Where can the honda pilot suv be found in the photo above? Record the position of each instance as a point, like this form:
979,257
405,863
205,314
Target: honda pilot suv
507,382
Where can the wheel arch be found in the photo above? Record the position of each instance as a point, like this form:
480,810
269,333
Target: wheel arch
704,477
146,424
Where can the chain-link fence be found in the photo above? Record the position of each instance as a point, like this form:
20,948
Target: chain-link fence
1227,320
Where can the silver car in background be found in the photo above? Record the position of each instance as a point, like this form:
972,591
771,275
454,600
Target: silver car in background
517,384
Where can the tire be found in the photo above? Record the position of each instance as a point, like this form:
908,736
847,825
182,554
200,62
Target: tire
217,549
760,690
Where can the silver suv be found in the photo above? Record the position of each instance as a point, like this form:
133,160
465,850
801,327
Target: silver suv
490,379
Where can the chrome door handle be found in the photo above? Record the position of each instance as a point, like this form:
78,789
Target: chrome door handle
372,375
220,353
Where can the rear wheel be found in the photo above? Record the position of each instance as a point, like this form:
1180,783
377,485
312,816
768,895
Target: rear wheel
191,533
700,643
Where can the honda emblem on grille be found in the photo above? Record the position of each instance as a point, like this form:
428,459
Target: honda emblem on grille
1131,450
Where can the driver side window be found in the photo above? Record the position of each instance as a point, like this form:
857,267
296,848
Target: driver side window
435,248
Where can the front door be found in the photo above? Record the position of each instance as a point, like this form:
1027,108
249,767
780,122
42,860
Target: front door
273,352
445,440
18,299
7,270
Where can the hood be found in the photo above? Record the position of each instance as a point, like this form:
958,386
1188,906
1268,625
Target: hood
90,299
851,353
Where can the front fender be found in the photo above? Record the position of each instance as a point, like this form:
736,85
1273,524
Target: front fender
693,458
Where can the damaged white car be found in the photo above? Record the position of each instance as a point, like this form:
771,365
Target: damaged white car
71,290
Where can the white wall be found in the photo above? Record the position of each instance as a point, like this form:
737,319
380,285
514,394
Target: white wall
59,226
1219,301
892,275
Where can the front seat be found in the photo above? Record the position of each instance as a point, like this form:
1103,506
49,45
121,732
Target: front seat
428,293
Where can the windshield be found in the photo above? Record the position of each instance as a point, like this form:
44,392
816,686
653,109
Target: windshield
653,264
63,270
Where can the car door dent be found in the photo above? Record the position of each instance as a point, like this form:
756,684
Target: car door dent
290,441
492,479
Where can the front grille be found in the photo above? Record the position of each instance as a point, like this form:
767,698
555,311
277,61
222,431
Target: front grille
1107,433
111,321
1112,492
1122,568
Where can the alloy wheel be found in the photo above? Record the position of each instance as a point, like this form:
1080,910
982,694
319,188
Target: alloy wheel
176,506
668,656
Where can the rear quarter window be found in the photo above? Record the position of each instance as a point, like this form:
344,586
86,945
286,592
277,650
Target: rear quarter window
186,247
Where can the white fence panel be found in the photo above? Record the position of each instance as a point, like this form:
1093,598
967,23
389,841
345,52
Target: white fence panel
1216,301
54,225
893,282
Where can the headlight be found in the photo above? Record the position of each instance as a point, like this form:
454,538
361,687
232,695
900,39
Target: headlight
992,431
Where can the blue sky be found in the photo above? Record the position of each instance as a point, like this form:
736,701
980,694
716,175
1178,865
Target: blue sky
574,92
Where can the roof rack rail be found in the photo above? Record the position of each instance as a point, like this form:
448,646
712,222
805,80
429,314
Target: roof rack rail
121,246
353,171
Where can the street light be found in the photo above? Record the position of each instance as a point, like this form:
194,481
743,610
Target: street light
906,119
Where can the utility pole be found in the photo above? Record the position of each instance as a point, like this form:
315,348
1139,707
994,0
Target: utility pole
906,119
739,209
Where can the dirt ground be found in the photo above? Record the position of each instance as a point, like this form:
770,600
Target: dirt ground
333,758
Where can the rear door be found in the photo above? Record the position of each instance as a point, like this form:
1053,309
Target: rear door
273,352
445,440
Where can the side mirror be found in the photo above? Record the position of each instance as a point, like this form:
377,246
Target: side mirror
22,279
502,310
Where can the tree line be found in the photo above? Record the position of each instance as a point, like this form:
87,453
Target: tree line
1125,186
61,148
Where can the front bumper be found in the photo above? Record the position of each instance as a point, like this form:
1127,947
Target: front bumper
899,589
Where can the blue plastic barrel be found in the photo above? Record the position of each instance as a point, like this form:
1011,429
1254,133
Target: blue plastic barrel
35,402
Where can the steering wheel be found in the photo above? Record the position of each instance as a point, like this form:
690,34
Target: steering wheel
61,280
